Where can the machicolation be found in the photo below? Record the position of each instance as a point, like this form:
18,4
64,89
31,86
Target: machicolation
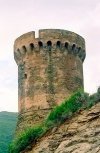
49,70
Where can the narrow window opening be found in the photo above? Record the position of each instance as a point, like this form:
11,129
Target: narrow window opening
58,43
40,44
66,45
18,51
31,46
73,47
49,43
79,49
24,48
25,76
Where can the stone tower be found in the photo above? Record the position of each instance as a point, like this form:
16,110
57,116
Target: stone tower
49,70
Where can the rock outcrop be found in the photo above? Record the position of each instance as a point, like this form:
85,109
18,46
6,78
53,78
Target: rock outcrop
79,134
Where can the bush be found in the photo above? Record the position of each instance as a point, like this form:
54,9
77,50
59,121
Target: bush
25,139
94,98
68,107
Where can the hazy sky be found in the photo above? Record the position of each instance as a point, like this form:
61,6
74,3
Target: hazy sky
20,16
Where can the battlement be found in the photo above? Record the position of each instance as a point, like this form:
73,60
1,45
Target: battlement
54,38
61,34
29,36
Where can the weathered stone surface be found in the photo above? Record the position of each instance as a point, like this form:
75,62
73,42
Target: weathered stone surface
73,136
49,70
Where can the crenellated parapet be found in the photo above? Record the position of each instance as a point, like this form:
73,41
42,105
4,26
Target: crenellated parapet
56,39
49,70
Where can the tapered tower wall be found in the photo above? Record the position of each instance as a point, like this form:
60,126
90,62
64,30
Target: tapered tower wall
49,70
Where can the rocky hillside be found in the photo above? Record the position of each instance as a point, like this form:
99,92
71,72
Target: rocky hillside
79,134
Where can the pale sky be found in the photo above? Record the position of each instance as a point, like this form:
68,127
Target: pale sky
21,16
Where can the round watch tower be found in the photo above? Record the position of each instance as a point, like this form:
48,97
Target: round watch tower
50,68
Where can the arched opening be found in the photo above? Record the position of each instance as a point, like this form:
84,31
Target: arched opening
66,45
79,49
58,43
24,49
31,46
18,51
25,76
49,43
73,47
40,43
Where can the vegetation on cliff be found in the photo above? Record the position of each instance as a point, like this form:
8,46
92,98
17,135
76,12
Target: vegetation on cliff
67,108
75,102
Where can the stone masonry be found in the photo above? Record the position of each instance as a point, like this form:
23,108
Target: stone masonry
49,70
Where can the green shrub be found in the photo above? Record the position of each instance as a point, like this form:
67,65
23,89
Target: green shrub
94,98
25,139
68,107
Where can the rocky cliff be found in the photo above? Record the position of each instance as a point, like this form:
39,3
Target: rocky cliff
79,134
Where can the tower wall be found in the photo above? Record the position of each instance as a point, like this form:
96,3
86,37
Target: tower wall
49,70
